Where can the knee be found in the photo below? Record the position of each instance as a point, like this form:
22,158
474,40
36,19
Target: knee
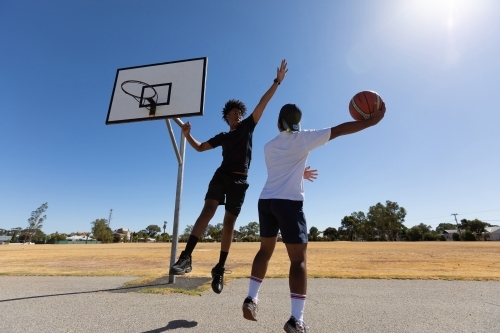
298,264
208,210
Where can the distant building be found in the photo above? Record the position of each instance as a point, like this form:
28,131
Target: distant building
5,239
124,233
449,234
77,238
493,233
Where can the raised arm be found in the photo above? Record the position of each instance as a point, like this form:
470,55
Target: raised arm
356,126
186,130
280,76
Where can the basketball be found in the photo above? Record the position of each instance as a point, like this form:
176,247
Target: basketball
363,104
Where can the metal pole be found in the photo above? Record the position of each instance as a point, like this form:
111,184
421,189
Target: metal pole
109,220
458,228
175,233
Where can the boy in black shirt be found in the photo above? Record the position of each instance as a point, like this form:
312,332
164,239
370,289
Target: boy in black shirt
229,183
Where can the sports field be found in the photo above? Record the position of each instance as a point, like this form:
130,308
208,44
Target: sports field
366,260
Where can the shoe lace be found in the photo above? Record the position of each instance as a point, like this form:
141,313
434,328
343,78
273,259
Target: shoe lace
301,327
182,260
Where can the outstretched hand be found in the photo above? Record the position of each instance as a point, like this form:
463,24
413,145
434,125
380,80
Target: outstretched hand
310,175
281,71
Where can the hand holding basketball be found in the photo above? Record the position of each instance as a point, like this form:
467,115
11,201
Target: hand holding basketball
377,116
364,104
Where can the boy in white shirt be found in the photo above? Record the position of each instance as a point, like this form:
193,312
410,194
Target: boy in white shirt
280,205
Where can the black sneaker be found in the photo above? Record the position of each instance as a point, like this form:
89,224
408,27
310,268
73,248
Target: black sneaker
217,278
250,309
182,266
293,326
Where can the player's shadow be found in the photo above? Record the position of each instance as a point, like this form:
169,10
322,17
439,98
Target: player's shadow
174,324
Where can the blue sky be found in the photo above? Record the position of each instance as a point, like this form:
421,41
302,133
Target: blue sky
435,64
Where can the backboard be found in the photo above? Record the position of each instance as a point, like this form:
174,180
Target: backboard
176,89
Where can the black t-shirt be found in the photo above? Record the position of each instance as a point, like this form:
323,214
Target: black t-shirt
236,146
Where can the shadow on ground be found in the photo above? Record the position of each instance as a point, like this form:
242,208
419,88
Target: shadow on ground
181,282
174,324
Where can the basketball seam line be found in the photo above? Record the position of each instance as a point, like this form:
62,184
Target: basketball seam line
363,114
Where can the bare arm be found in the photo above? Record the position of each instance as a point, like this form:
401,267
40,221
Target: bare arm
356,126
280,76
186,130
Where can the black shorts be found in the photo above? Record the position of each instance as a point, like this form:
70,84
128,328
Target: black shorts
283,215
229,189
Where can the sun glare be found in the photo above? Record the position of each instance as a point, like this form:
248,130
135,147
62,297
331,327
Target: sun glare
438,32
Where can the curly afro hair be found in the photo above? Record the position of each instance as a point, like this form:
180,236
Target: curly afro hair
233,104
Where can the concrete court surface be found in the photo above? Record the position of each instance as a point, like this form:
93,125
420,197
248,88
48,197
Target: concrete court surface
79,304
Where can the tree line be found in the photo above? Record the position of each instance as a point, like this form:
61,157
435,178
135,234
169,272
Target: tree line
382,222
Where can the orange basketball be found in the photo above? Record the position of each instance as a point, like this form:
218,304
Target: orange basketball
364,103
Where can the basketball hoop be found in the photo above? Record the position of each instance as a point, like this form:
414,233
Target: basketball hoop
151,99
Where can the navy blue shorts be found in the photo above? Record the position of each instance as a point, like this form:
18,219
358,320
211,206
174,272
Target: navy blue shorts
229,189
283,215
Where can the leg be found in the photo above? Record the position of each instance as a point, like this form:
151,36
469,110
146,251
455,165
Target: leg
227,238
206,215
259,268
261,260
183,265
227,231
298,269
298,286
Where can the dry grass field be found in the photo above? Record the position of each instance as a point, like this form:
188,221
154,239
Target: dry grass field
374,260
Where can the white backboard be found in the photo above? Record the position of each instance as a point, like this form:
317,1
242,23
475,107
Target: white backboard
180,86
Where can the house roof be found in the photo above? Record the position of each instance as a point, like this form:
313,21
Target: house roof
450,231
5,238
492,229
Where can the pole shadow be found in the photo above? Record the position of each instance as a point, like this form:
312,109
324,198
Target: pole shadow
183,283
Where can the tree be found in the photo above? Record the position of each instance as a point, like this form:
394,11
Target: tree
188,230
349,227
429,237
388,219
101,230
426,229
445,226
313,232
469,236
165,237
56,237
251,229
152,230
331,233
215,232
35,222
143,234
476,226
414,234
164,226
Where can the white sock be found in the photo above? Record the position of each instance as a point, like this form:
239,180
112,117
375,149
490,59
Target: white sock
253,289
298,304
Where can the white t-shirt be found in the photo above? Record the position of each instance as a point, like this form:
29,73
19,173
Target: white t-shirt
286,157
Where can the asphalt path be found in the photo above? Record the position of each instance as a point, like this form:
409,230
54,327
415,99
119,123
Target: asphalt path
103,304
